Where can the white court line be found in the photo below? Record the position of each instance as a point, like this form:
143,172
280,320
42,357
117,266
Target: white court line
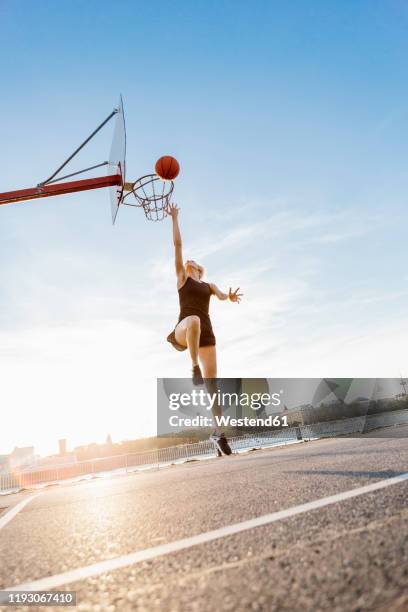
6,518
51,582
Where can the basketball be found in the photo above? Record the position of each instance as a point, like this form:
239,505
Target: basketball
167,168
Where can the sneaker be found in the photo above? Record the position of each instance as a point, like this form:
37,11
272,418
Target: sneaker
197,376
221,443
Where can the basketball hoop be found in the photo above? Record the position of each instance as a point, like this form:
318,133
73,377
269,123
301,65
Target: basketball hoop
151,193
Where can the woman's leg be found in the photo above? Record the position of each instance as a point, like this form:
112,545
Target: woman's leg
208,360
187,333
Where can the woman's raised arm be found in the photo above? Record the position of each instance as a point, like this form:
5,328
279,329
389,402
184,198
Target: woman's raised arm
173,212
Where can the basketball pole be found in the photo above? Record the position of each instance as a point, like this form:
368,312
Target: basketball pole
55,189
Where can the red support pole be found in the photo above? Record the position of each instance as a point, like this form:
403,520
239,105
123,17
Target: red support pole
45,191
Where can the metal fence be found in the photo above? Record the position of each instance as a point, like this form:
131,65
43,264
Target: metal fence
37,476
356,425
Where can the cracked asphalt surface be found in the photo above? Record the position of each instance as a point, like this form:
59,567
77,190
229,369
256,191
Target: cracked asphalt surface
350,556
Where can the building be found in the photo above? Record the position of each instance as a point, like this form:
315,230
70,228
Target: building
301,415
21,457
4,464
56,461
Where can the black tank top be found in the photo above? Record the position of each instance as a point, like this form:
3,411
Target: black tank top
194,298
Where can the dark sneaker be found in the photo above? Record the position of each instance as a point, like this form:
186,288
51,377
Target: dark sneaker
221,444
197,376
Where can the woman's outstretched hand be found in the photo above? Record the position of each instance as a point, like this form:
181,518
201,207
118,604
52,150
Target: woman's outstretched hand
172,210
234,296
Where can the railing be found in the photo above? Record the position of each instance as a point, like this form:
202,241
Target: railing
156,459
355,425
342,427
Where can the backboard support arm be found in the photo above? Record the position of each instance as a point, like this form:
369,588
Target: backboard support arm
61,178
44,191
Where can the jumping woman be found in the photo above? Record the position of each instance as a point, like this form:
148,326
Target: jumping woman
193,330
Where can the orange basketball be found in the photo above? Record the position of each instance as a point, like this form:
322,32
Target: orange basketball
167,167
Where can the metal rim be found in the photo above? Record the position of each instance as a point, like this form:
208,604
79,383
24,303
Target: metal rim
153,194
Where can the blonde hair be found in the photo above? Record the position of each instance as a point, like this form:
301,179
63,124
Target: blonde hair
200,269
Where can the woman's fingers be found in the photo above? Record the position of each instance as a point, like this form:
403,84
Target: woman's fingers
172,209
238,296
234,295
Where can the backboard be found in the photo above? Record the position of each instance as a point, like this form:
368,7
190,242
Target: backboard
117,159
152,192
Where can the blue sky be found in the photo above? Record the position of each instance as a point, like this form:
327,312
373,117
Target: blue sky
290,124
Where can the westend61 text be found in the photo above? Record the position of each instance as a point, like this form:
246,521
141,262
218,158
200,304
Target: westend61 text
227,421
